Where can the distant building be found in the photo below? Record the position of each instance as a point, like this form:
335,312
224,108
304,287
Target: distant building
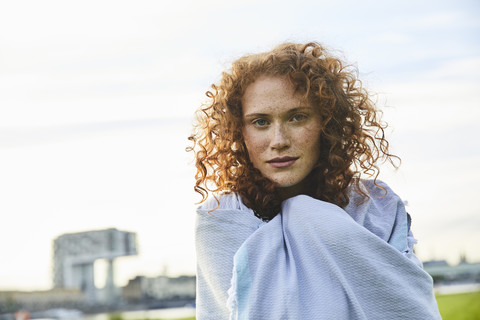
74,255
134,291
159,288
442,272
11,301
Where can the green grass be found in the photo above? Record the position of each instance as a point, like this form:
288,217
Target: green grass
190,318
462,306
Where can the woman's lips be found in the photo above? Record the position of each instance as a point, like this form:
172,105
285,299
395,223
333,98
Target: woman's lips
282,162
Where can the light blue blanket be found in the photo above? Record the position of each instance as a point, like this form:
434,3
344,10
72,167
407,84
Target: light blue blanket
312,261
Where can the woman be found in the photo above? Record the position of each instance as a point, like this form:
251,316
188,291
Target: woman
293,230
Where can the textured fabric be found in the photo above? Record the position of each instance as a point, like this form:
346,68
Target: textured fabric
218,235
312,261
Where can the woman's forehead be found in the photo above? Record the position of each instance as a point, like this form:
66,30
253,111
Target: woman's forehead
269,93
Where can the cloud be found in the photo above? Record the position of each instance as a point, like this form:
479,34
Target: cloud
437,19
387,38
13,137
457,71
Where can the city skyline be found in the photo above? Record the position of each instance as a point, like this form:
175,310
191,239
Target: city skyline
97,102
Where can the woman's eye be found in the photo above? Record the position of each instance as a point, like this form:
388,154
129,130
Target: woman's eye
298,117
260,122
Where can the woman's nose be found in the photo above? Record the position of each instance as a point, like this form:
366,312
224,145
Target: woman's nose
279,138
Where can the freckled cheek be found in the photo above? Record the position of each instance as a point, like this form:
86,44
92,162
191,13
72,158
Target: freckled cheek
310,140
255,143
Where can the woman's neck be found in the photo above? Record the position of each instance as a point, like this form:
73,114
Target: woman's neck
304,187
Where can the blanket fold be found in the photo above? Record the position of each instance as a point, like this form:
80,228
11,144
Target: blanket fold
314,261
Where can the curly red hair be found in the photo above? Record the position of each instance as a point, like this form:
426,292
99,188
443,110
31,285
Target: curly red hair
352,136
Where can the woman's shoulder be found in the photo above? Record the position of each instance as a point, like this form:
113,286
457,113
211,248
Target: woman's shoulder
225,213
381,211
373,194
226,201
374,189
226,206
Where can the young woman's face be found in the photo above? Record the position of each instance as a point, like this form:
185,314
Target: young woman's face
281,132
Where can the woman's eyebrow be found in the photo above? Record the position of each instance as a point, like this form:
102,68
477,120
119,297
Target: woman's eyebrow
255,115
305,108
293,110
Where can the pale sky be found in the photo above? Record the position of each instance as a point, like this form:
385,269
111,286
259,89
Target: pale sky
97,98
